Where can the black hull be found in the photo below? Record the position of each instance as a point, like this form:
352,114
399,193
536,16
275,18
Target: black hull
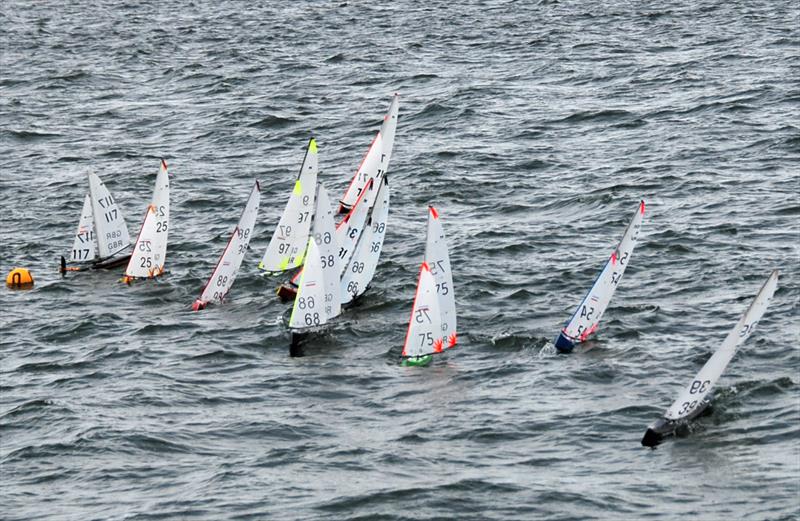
108,264
663,427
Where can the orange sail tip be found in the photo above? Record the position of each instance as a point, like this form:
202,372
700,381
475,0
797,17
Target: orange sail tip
614,257
163,164
437,346
424,267
452,341
641,206
434,213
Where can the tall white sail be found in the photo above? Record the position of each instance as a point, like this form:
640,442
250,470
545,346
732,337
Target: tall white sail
352,226
110,230
586,318
229,263
424,335
287,246
368,170
309,305
694,394
150,251
438,260
359,272
324,233
388,129
84,247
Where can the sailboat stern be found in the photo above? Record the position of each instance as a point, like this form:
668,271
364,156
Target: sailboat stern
416,361
656,433
287,291
199,305
564,343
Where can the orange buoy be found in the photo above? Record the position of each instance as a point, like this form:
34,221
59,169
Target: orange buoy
19,278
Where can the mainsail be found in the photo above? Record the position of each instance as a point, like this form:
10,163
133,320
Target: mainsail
84,247
695,397
707,377
424,335
309,305
229,263
150,251
586,318
376,160
324,234
110,230
287,247
438,260
349,230
358,274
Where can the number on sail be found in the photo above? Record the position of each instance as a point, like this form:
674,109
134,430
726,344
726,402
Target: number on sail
359,273
309,305
586,318
84,247
150,250
286,249
349,230
229,263
438,259
369,169
424,335
697,391
110,230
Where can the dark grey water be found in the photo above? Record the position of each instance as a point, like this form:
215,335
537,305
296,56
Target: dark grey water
535,128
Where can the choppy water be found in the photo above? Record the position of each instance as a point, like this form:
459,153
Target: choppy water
535,128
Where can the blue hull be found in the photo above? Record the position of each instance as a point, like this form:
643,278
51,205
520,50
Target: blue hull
563,343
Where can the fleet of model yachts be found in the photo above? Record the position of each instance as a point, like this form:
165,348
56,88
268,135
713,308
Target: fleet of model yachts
328,256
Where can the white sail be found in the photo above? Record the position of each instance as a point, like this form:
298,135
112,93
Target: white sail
352,226
438,260
587,316
287,246
694,394
388,129
309,305
150,251
368,170
110,230
229,263
424,335
324,233
84,247
364,262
